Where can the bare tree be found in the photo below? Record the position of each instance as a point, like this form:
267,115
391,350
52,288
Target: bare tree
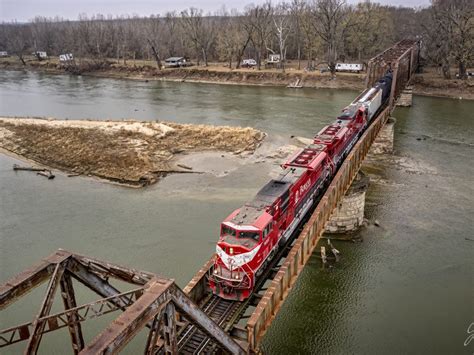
369,30
43,34
437,43
200,30
242,35
456,19
246,29
227,43
18,39
328,23
170,30
282,23
311,42
259,23
297,9
153,34
99,37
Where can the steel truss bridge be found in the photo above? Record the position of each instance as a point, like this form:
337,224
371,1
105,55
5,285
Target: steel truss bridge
191,320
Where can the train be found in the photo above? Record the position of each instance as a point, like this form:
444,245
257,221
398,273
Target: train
251,236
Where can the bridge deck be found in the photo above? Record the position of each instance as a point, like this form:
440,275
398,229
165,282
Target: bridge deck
402,58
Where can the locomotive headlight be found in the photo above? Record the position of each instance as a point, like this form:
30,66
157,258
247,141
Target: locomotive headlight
236,277
215,271
231,251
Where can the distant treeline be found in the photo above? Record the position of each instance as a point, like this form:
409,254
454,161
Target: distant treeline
309,32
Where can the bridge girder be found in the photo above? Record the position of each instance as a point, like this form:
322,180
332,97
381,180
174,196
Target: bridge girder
154,301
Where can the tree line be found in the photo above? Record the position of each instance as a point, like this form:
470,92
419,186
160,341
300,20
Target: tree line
310,32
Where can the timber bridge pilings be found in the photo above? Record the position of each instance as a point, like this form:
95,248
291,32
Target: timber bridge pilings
191,320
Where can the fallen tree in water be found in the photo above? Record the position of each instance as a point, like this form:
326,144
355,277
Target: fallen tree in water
128,152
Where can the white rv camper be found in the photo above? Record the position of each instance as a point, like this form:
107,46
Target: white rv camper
349,67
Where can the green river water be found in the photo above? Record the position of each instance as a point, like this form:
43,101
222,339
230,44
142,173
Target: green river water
408,288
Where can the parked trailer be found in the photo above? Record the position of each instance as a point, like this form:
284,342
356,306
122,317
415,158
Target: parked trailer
40,55
273,59
67,57
176,62
349,67
249,63
3,54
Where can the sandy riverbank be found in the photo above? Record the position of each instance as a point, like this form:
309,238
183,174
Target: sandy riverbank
127,152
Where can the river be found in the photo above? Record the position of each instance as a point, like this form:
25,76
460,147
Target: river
407,288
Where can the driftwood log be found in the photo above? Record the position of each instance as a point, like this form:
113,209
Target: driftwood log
27,168
46,173
39,171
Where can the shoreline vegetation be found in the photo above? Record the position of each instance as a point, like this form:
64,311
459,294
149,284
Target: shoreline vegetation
428,83
130,153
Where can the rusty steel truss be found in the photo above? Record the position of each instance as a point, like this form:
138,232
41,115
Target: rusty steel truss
402,58
171,315
283,280
154,302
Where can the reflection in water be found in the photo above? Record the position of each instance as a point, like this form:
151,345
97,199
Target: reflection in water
406,289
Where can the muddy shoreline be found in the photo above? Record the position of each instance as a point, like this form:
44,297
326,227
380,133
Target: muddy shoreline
426,84
203,75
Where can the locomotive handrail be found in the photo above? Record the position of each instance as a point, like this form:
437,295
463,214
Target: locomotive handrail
299,254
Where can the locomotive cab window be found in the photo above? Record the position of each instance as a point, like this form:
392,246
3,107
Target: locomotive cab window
250,235
228,231
267,230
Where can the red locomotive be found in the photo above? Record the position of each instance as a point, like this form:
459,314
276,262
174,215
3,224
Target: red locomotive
251,235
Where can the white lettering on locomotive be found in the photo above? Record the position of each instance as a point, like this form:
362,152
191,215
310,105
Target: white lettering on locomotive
305,187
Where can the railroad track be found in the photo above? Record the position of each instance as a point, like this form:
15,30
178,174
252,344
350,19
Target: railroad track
193,340
226,313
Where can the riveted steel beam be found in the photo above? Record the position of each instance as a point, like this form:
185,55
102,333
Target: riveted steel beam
27,280
154,341
69,301
155,297
197,316
70,317
38,324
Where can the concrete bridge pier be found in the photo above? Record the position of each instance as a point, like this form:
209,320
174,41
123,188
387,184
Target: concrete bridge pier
406,97
383,144
349,214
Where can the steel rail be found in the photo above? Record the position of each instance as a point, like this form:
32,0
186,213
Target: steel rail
265,276
211,303
220,321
